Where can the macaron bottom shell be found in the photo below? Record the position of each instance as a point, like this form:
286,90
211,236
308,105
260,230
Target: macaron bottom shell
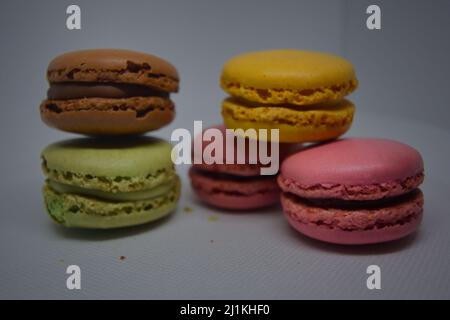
229,193
295,124
370,225
238,202
355,237
97,116
81,211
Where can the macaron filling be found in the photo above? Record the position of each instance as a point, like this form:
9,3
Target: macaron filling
139,195
80,90
357,204
334,113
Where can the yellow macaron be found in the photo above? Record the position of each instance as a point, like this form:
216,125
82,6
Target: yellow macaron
288,77
295,123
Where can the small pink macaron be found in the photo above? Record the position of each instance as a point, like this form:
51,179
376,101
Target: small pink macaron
353,191
236,186
234,192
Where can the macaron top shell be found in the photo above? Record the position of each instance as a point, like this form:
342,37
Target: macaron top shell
355,161
114,65
137,157
287,69
249,163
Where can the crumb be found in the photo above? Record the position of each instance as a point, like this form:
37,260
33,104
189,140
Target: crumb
212,241
122,258
213,218
187,209
61,261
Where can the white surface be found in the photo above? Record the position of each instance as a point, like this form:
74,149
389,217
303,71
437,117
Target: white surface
247,255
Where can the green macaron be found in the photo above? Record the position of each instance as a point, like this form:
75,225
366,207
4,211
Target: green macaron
109,183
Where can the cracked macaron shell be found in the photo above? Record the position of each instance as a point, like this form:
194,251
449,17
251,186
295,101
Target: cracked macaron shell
288,76
113,165
114,65
108,116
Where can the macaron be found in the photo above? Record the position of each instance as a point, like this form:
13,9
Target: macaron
354,191
236,186
109,92
105,183
298,92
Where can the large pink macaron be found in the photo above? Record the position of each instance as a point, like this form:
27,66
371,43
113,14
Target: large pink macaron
354,191
237,186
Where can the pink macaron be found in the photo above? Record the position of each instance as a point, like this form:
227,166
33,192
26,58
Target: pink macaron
353,191
237,186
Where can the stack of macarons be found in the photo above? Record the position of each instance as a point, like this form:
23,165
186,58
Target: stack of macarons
300,93
114,178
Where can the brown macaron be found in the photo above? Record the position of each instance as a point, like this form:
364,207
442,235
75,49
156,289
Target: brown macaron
109,92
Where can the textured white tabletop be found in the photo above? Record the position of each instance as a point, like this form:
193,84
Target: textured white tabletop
207,253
